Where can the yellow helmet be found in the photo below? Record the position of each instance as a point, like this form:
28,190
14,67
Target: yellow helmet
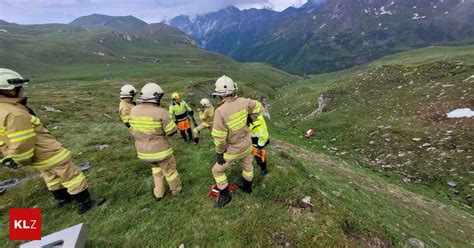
175,96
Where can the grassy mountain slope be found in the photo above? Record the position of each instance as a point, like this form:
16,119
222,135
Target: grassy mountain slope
48,53
370,211
375,117
354,206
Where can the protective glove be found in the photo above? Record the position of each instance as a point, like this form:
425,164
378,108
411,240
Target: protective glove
9,163
220,158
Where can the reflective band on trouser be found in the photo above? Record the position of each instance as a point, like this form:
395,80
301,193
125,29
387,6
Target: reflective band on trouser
2,143
125,119
155,170
247,174
54,160
35,120
172,177
21,135
53,182
220,179
232,157
23,156
158,156
76,180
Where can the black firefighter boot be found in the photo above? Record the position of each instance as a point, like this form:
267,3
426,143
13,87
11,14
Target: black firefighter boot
263,166
84,201
62,197
244,185
224,198
183,134
196,141
190,134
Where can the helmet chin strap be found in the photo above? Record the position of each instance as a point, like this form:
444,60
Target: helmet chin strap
15,93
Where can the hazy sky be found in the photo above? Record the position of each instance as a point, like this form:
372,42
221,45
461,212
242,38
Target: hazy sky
64,11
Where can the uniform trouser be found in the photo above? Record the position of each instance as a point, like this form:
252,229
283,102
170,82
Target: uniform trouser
64,175
197,130
166,169
218,171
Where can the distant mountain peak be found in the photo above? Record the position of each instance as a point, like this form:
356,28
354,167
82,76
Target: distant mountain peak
128,24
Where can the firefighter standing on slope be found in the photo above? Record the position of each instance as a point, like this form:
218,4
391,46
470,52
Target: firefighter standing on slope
127,93
150,124
232,137
206,114
180,112
260,139
28,142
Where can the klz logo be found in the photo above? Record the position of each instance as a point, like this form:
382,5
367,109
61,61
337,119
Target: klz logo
25,224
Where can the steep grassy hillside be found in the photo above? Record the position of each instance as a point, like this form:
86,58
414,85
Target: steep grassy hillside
391,116
352,205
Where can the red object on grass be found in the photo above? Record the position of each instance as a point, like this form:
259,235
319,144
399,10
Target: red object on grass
310,133
214,192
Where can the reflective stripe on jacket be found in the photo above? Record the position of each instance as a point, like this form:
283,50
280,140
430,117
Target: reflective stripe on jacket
149,126
207,116
25,139
124,109
230,131
259,132
179,111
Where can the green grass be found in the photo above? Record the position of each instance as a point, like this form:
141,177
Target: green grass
131,215
373,208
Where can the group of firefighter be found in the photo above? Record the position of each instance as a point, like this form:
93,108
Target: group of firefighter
237,127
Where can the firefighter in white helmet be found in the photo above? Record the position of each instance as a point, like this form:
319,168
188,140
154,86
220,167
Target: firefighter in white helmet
232,137
206,114
28,142
127,93
150,125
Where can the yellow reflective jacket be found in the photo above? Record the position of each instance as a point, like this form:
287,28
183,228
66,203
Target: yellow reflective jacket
259,132
124,109
179,111
230,131
25,140
150,125
207,116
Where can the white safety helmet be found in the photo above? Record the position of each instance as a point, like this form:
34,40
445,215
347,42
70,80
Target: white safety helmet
225,86
128,91
205,102
10,79
151,92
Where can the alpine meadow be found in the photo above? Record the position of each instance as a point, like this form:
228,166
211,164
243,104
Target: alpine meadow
370,117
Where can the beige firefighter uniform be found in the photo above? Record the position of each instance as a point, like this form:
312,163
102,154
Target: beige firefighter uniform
232,137
207,118
149,126
125,107
29,143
